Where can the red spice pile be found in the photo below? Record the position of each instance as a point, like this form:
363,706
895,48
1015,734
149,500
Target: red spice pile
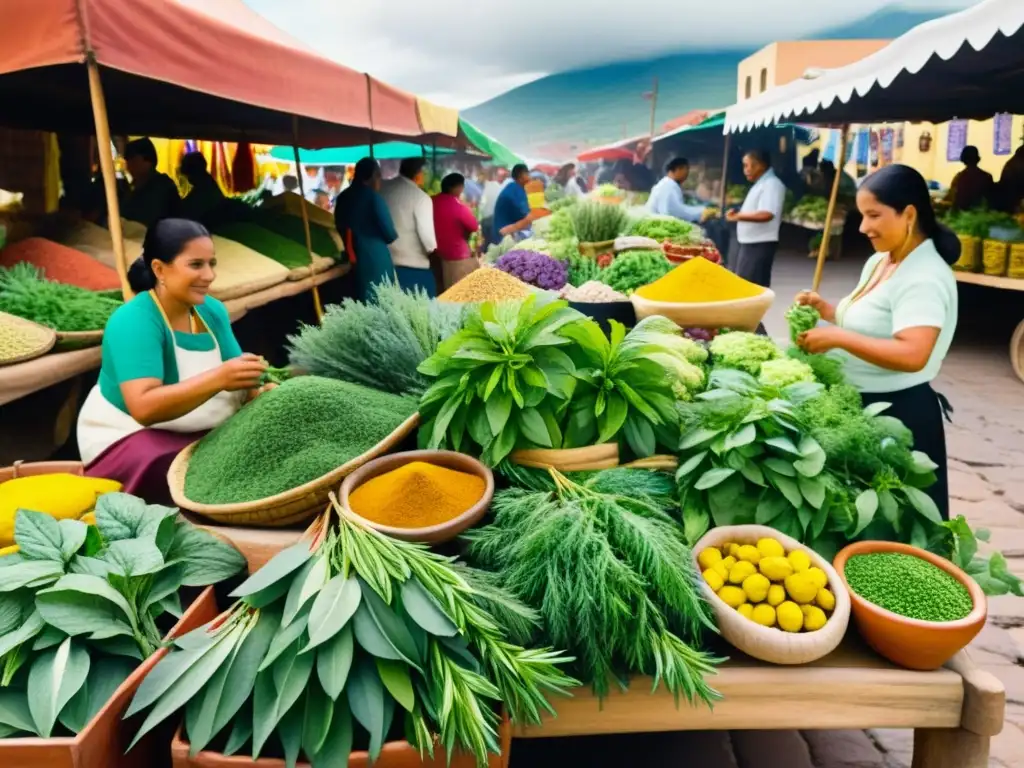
61,264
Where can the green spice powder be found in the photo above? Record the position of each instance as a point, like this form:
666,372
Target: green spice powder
909,586
295,433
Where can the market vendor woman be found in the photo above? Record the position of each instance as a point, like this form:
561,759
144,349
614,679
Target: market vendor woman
895,329
172,368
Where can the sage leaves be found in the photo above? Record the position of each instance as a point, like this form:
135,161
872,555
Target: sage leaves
348,630
78,609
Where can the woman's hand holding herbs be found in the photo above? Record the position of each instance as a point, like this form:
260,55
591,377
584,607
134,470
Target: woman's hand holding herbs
819,340
813,299
241,373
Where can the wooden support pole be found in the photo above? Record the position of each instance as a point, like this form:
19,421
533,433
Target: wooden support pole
305,217
827,233
103,148
725,173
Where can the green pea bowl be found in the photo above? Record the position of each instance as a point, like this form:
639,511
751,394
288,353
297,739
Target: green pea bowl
912,643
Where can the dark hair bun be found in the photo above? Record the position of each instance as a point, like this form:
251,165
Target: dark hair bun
140,276
947,244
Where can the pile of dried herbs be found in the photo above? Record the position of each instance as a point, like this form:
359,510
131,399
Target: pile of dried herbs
25,292
346,629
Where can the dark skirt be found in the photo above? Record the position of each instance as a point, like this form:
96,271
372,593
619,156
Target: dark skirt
140,462
754,262
922,410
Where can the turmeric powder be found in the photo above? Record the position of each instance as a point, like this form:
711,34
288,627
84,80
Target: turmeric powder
699,280
416,495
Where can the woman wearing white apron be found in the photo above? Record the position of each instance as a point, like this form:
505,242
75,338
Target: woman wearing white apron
172,369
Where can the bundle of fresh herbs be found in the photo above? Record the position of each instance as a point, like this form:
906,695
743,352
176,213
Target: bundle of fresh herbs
378,344
634,269
25,292
79,606
598,222
609,573
336,631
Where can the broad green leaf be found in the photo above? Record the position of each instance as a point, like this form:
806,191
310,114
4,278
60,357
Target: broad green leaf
366,697
867,505
498,409
166,583
805,515
918,536
745,435
890,509
30,573
31,627
48,638
38,536
395,677
14,711
613,418
267,597
120,645
813,490
160,524
750,470
924,504
696,522
821,518
533,428
281,565
730,503
86,605
14,606
923,463
316,722
443,419
244,665
425,611
713,477
264,709
290,733
391,626
787,487
876,409
334,661
690,465
333,607
241,731
307,583
205,558
290,675
810,466
169,670
779,466
187,685
89,566
784,444
206,704
55,677
119,515
285,636
458,649
106,675
640,436
503,444
134,557
337,747
73,535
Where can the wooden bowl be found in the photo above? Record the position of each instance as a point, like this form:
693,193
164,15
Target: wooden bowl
912,643
432,534
737,314
591,457
33,468
768,643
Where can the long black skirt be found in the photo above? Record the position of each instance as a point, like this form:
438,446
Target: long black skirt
922,410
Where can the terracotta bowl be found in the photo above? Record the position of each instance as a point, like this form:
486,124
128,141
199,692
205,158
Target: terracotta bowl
433,534
912,643
738,314
768,643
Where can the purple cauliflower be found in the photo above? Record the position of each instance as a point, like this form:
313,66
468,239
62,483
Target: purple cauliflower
534,268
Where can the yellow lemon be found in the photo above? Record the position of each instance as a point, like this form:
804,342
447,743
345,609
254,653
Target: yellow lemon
732,596
770,548
714,579
89,518
825,600
764,615
790,617
740,571
814,617
800,588
746,611
729,561
708,557
721,569
60,495
799,560
756,586
749,553
725,545
734,550
775,568
776,595
9,550
818,576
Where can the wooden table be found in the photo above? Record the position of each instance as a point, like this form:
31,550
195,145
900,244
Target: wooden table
954,711
835,249
237,308
1006,284
22,379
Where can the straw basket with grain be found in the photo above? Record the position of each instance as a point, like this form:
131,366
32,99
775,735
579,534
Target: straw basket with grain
738,314
295,506
1016,268
995,255
43,338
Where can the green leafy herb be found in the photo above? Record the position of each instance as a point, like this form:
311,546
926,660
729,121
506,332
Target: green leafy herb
25,292
598,222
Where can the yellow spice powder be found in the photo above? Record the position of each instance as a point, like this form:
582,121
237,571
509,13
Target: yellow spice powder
417,495
699,280
486,284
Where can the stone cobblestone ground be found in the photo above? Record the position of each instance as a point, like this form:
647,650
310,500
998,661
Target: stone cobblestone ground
986,451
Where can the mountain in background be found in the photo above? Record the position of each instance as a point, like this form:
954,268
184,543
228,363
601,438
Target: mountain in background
560,112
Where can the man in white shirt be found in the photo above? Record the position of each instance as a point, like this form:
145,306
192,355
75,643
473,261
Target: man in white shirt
413,215
496,180
759,220
667,195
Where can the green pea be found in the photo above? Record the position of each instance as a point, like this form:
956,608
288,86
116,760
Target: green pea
908,586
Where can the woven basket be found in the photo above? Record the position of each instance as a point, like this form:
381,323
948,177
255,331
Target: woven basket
970,254
71,340
995,256
593,250
1016,268
288,508
34,468
604,456
47,338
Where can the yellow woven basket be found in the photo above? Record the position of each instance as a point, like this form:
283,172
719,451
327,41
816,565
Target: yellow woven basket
970,254
995,256
295,506
1016,268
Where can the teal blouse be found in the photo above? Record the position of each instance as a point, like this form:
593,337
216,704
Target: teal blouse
137,344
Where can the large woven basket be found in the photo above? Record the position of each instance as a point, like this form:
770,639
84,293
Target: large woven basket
68,341
47,338
295,506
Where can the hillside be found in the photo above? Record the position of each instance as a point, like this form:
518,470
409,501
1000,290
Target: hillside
604,104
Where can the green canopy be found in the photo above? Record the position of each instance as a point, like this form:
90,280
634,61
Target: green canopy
718,121
500,154
391,150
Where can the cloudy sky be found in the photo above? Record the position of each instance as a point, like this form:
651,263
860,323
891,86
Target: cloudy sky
462,52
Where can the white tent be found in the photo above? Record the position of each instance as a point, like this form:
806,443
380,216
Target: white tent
965,65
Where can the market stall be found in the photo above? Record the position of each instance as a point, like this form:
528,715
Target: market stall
964,65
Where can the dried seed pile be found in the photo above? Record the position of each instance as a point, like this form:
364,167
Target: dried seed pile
19,340
487,284
293,434
908,586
